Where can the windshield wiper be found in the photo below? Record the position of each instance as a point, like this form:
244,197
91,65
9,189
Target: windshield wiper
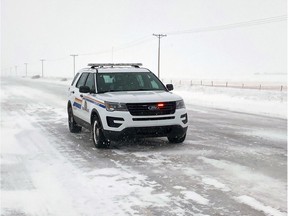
142,89
101,92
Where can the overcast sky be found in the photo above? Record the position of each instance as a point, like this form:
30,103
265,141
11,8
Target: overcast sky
121,31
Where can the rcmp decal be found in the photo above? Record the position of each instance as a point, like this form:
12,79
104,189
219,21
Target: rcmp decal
96,102
77,103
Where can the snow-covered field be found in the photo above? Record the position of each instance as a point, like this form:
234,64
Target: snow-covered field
254,101
231,163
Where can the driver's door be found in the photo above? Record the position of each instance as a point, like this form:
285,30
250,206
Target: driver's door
78,102
84,112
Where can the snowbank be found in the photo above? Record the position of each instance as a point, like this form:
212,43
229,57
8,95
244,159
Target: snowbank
263,102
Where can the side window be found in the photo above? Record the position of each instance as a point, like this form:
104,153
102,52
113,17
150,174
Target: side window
82,80
75,78
90,82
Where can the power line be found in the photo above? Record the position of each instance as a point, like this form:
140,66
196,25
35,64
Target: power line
146,38
58,59
95,53
137,42
134,44
232,25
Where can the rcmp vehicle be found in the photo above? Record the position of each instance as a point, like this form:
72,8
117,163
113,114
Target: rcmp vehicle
118,101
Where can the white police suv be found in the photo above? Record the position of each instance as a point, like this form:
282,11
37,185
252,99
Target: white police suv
118,101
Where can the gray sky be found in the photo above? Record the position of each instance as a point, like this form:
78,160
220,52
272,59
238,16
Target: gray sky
121,31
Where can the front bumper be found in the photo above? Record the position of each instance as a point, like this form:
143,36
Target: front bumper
119,121
141,132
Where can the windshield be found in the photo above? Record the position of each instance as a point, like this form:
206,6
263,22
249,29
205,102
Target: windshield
138,81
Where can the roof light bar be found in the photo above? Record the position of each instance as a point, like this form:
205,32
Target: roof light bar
93,65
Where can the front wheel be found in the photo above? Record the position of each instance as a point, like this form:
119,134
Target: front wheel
177,139
98,137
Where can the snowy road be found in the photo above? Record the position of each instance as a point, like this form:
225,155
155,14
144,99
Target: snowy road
230,164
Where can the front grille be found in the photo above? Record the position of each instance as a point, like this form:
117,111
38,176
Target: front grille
151,109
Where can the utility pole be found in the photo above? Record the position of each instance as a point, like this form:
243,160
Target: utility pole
112,54
26,68
42,61
73,55
159,36
16,70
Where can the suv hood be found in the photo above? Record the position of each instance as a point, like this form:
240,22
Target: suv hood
138,96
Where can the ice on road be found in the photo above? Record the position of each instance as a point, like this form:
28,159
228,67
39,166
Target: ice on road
231,163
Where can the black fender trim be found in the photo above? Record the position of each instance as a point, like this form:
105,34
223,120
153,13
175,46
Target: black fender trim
69,104
95,112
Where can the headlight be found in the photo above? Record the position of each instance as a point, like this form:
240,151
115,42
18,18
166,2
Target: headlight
180,104
112,106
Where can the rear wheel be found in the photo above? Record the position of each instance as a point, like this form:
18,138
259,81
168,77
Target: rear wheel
177,139
73,127
98,137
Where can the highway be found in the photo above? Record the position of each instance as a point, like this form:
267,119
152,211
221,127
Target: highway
230,164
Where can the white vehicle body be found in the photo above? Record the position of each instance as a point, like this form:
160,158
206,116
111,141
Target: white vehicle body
146,110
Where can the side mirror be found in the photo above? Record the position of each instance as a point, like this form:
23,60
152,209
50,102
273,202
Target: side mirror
169,87
84,89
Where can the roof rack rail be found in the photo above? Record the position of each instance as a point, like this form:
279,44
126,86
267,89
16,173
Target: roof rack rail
94,65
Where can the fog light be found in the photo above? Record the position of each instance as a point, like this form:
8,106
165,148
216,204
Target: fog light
114,121
184,118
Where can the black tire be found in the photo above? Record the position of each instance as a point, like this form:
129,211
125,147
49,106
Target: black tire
73,127
98,137
177,139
